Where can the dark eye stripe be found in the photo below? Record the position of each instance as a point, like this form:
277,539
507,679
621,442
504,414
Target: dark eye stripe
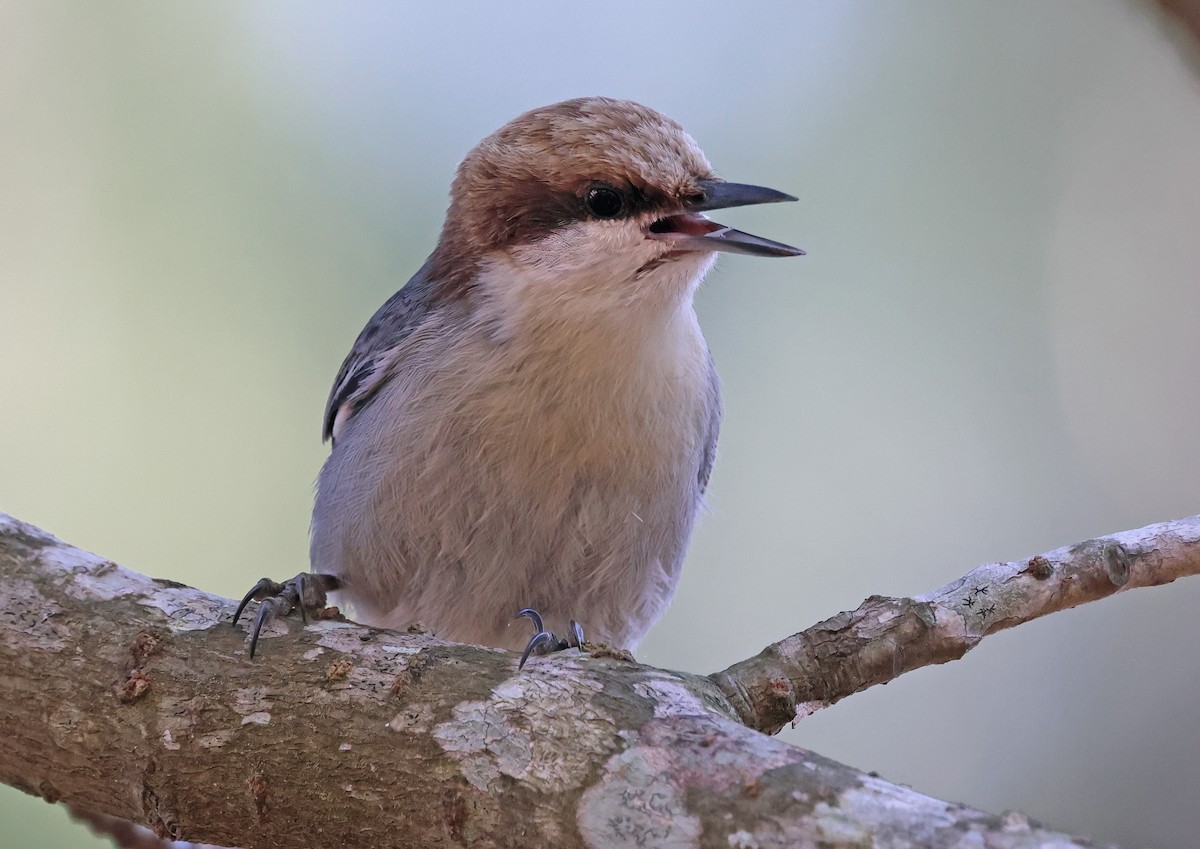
607,201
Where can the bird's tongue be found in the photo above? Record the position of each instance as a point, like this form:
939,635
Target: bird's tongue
690,231
686,223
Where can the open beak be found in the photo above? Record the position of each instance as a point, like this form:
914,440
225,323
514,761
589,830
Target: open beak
691,230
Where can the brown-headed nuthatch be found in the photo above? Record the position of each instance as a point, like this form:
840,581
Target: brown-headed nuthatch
531,421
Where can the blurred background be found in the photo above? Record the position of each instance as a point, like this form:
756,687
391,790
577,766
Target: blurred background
991,349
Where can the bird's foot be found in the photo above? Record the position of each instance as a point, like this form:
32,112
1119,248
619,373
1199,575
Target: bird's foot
545,642
307,591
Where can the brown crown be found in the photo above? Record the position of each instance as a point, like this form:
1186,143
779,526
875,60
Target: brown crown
529,177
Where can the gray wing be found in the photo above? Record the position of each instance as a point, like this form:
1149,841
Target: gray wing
715,409
365,370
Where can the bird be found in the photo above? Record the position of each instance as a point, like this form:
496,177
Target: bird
528,426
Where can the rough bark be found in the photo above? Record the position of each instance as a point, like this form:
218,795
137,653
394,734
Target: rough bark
133,697
886,637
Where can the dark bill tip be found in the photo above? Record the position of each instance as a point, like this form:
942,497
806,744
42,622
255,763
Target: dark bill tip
728,240
718,194
692,231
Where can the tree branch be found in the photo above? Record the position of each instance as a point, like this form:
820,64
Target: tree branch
132,697
886,637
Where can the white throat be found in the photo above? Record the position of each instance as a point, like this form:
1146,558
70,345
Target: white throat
596,276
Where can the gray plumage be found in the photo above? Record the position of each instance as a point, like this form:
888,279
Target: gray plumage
532,420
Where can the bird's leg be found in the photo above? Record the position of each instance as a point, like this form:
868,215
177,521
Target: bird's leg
307,591
545,642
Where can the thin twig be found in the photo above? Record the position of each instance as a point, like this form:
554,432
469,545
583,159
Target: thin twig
886,637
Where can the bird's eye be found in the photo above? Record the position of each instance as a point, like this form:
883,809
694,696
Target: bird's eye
604,201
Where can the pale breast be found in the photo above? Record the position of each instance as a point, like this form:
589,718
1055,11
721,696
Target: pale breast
523,475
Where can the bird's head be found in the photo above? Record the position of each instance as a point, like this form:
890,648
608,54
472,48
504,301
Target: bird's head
593,196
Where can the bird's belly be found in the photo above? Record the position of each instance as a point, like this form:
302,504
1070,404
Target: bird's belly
471,511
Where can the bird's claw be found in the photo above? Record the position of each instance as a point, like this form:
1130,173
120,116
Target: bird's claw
307,591
545,642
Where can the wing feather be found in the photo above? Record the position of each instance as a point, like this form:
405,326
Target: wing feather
365,369
715,409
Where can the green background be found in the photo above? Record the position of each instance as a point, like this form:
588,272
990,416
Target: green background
991,349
